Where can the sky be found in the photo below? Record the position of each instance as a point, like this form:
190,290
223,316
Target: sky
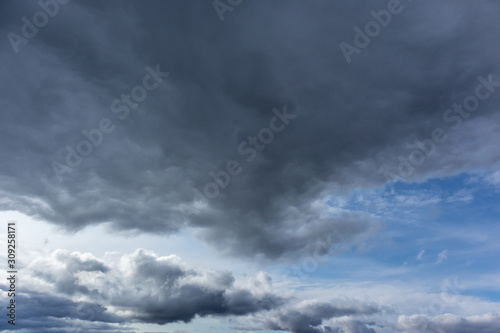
250,166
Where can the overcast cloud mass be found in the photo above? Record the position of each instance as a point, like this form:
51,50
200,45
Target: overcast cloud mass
326,165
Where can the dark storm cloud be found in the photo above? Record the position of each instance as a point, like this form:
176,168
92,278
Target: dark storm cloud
144,287
225,79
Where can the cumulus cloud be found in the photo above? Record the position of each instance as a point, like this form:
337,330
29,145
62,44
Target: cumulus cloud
81,291
356,326
448,323
145,287
352,121
46,312
307,317
62,269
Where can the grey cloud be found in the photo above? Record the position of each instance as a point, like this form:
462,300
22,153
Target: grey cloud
356,326
225,80
75,262
151,289
61,269
45,312
448,323
308,317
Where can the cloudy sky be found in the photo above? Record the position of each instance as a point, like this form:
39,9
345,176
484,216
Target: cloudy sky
251,166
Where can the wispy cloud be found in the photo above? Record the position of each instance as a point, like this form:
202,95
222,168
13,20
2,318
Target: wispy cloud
442,256
420,255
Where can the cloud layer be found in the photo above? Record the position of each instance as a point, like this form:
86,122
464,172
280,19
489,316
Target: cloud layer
143,287
352,121
77,290
160,118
